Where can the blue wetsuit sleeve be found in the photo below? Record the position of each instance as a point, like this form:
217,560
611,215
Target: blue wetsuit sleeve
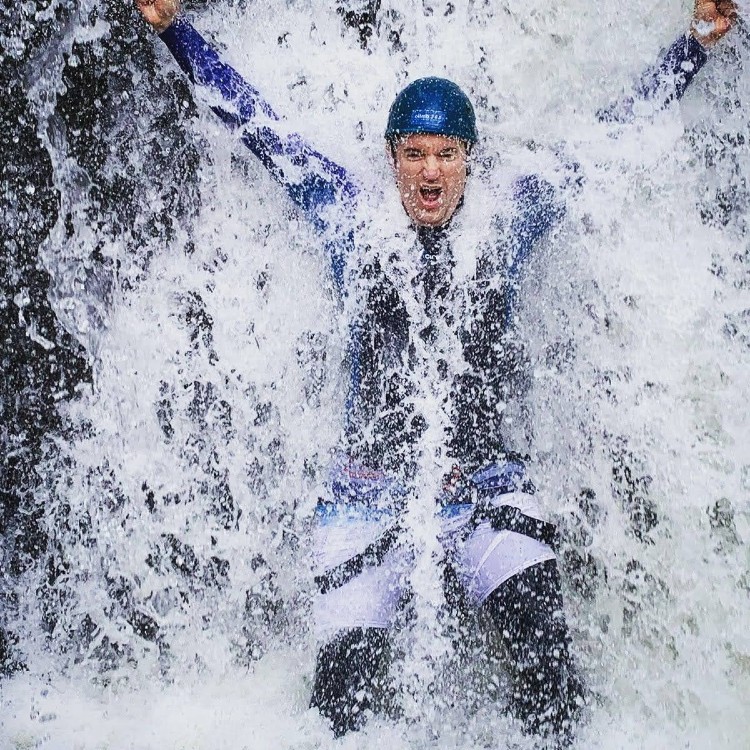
313,181
537,209
659,85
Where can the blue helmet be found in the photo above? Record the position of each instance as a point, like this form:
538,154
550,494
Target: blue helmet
432,105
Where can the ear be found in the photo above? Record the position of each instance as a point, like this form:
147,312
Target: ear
390,151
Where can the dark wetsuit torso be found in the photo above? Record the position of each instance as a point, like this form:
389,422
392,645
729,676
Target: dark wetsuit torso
386,427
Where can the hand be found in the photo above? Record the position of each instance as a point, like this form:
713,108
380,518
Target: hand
159,13
712,19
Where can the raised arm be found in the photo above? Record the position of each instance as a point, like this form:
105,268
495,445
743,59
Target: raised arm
670,77
539,205
313,181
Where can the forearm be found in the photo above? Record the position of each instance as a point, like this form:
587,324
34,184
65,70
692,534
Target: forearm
662,83
204,67
311,180
677,68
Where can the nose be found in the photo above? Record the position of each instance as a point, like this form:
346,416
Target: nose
431,169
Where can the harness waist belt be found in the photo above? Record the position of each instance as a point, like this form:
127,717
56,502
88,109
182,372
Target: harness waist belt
504,518
372,555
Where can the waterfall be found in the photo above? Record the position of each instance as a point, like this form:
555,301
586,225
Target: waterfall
173,358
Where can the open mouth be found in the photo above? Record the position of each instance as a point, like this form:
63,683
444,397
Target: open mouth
430,194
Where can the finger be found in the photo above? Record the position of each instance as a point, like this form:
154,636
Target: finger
722,26
727,8
705,8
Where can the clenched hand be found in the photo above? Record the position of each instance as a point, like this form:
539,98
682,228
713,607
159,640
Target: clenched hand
159,13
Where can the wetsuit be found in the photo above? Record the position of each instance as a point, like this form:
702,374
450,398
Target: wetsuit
498,550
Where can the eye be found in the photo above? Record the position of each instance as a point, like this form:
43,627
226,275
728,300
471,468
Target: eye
449,154
413,154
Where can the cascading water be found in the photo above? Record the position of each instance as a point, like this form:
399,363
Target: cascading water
172,387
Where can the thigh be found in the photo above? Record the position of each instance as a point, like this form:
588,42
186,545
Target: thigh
361,507
351,677
371,599
485,557
488,558
528,610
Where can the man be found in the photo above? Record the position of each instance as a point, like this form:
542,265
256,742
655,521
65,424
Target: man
417,330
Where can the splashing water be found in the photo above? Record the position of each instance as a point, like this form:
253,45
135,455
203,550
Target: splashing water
169,605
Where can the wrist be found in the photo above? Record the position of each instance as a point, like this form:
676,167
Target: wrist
173,25
695,35
159,14
697,41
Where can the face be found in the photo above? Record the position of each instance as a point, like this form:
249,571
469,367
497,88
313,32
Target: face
431,177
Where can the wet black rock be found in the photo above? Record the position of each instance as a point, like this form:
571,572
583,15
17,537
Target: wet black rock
95,106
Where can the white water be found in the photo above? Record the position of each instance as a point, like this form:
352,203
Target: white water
626,288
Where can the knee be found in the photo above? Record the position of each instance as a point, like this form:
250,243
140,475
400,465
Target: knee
526,610
348,677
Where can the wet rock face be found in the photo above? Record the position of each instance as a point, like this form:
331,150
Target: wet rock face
40,361
92,96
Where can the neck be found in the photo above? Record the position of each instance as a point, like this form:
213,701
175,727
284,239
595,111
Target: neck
432,239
